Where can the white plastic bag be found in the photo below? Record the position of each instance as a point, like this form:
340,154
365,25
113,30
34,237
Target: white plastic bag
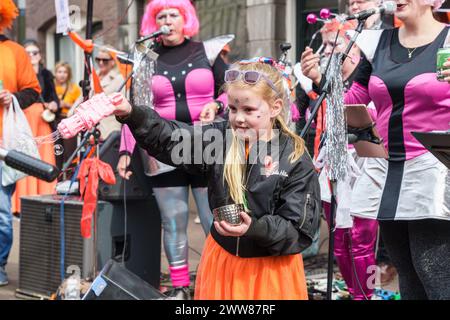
17,136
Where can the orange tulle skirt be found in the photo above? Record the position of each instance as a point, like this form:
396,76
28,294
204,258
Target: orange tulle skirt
223,276
30,185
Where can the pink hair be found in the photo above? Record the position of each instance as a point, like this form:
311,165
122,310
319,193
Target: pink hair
191,24
436,4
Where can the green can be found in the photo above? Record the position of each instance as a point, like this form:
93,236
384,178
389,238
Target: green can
1,85
443,55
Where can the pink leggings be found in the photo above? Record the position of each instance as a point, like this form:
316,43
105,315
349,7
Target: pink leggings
354,249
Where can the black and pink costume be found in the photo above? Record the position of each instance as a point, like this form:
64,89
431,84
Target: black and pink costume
408,193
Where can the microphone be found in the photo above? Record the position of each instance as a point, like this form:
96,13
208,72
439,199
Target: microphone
32,166
156,34
389,7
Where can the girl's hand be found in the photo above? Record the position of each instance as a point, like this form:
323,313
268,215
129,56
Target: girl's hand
310,65
446,73
209,112
122,166
227,230
123,107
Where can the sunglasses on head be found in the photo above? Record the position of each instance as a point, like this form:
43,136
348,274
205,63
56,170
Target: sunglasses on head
98,60
249,77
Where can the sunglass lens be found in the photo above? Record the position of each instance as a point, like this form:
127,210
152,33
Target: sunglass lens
231,75
251,77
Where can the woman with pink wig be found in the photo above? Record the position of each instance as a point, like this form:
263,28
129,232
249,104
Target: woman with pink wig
408,193
188,77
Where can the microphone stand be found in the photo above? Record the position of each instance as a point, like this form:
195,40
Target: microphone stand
88,269
333,183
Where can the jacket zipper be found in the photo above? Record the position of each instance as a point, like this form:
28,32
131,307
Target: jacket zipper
307,202
237,246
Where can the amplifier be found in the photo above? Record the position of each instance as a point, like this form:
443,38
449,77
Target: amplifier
39,255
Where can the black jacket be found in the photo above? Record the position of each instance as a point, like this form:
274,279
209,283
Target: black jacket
285,206
46,81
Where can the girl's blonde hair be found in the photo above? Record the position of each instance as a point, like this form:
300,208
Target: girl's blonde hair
63,64
234,167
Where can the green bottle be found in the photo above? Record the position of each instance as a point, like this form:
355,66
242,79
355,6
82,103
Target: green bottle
443,55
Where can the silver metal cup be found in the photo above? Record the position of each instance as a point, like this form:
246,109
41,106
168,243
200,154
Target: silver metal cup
229,213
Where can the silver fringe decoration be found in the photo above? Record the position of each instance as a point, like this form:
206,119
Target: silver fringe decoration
336,125
144,69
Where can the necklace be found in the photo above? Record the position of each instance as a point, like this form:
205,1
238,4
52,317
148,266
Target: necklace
411,52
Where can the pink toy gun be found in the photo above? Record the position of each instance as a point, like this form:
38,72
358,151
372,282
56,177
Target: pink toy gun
88,114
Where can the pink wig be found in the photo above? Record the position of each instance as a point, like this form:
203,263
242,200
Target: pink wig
191,24
436,4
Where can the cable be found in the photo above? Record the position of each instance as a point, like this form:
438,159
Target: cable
377,243
197,252
61,217
354,265
125,211
125,228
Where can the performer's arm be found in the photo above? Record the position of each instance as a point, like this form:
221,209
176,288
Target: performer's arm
26,97
359,92
219,67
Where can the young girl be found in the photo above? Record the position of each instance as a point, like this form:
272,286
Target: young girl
260,258
67,91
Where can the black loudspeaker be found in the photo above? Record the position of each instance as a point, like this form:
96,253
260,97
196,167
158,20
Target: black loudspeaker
40,242
137,187
117,283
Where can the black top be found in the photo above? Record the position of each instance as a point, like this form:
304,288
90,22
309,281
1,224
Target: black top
393,66
174,55
46,81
